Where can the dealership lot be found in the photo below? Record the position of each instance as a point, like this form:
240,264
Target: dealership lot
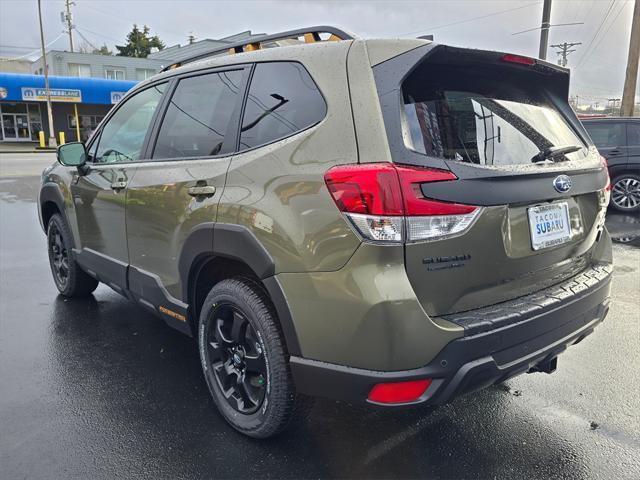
99,388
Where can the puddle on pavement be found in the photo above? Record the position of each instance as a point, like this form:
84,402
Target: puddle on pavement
14,190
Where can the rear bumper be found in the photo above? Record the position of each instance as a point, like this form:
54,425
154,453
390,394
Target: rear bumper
519,337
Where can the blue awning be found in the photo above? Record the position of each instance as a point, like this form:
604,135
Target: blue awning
97,91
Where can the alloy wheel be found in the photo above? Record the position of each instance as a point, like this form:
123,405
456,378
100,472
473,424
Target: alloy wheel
59,256
237,359
625,193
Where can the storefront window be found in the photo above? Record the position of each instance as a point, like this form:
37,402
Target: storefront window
35,120
14,108
88,123
19,121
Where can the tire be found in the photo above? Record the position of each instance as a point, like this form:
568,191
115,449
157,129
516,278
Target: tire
244,359
69,278
625,193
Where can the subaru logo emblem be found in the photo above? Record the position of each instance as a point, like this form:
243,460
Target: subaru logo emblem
562,183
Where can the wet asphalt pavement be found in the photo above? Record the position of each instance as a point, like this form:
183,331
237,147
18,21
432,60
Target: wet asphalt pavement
99,388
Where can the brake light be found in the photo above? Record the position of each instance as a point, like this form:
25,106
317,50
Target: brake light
399,392
385,202
510,58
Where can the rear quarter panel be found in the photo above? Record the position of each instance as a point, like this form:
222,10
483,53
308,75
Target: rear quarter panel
278,190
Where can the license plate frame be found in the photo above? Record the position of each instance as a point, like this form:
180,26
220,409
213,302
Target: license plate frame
549,225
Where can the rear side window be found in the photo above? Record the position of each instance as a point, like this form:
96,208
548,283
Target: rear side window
633,134
283,100
609,134
198,115
484,117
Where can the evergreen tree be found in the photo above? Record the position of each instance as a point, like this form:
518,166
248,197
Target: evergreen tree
139,43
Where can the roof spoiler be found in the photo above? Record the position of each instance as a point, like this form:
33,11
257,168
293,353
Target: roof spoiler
310,34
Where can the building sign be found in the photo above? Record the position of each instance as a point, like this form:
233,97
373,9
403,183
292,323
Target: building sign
57,94
116,97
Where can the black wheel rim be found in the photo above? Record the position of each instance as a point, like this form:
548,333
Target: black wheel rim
59,256
626,193
236,359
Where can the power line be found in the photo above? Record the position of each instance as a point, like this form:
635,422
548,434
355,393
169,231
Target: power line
470,19
34,51
554,25
98,34
604,18
604,35
86,40
127,20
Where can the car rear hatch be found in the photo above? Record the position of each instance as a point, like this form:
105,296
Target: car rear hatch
525,198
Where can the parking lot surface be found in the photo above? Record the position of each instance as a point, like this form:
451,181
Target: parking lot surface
99,388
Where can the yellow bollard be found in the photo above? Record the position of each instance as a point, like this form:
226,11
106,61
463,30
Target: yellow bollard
61,138
41,137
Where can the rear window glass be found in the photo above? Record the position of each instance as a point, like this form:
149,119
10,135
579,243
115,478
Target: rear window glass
482,118
608,134
283,100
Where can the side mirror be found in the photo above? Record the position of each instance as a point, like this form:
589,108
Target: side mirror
73,154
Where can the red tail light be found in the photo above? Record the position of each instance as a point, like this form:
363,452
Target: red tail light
370,189
399,392
384,202
510,58
606,165
387,189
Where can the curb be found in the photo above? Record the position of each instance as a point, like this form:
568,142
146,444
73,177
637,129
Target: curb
44,150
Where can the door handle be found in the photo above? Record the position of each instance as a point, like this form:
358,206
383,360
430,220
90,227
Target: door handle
202,191
119,185
615,152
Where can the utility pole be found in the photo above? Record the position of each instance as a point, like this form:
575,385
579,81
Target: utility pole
629,91
564,49
544,29
45,69
67,17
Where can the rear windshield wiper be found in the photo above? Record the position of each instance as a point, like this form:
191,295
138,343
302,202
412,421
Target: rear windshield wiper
554,152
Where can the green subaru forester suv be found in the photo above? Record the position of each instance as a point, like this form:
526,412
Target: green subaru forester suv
389,222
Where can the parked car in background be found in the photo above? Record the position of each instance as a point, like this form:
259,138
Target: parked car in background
618,140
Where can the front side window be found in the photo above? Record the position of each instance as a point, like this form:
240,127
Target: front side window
123,135
483,119
606,134
283,100
198,115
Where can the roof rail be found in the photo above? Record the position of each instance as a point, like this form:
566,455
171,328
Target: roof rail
310,34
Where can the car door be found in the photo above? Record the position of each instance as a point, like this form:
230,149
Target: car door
100,195
633,143
610,137
174,196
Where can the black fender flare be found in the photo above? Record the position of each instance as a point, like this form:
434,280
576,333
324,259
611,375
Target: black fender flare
50,192
236,242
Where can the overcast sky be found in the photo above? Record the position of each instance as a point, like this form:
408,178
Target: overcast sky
598,65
